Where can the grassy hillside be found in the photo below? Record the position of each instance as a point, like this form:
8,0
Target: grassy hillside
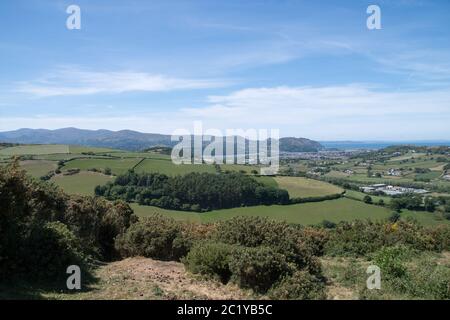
34,150
305,213
85,158
117,166
82,183
38,168
304,187
168,168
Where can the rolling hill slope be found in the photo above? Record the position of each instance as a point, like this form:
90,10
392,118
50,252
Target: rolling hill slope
124,139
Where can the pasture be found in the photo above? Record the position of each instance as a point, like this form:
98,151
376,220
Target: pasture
117,166
38,168
168,168
147,155
239,167
35,150
299,187
304,213
348,208
356,195
82,183
81,149
311,213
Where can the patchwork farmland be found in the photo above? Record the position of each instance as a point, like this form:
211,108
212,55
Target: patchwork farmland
78,170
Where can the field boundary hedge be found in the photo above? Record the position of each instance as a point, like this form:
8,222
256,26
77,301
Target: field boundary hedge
317,198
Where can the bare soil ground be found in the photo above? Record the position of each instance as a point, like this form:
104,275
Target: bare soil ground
144,279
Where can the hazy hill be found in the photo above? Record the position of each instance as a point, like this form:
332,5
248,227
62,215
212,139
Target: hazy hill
291,144
124,139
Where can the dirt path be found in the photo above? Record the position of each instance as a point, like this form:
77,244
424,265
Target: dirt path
142,278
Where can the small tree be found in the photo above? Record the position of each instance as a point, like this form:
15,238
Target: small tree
368,199
429,204
394,217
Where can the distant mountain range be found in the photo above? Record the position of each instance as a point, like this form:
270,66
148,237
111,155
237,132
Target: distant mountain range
124,139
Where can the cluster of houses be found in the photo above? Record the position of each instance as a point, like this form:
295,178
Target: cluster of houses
394,172
391,190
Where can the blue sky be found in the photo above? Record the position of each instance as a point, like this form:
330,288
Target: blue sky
308,68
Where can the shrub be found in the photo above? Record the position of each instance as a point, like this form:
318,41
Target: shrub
258,268
300,286
192,233
360,238
328,224
418,277
314,239
24,204
98,222
49,250
391,261
43,230
429,280
281,237
368,199
394,217
440,235
153,237
211,259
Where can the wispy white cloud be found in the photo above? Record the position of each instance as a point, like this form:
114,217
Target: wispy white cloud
71,81
329,113
430,65
333,111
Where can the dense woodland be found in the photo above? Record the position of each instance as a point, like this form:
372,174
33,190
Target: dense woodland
193,191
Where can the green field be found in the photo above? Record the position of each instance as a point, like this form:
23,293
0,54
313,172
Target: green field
38,168
349,208
80,149
168,168
34,150
305,213
299,187
69,156
351,194
239,167
267,180
336,174
145,211
429,175
407,156
118,166
82,183
149,155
